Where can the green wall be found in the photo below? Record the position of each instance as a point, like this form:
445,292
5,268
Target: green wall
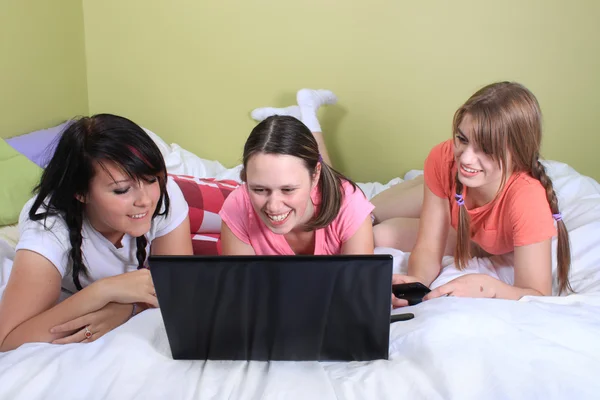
42,64
192,71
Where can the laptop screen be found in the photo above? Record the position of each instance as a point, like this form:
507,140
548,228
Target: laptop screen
326,308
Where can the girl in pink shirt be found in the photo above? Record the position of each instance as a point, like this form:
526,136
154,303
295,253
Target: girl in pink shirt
292,201
489,186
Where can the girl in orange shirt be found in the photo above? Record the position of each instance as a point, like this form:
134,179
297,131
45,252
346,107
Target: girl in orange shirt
488,184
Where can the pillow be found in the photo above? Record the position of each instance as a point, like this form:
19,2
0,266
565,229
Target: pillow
164,148
207,244
18,177
38,146
205,197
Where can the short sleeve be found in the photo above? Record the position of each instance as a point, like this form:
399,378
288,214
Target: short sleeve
48,237
437,169
353,212
530,215
178,210
236,214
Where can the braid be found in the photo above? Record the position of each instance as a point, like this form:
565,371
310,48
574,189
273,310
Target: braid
563,249
74,222
463,237
141,243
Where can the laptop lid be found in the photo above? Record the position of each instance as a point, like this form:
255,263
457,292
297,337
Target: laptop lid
300,308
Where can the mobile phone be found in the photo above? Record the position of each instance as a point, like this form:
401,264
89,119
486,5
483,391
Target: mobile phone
412,292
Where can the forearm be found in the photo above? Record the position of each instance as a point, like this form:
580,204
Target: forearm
424,266
37,329
501,290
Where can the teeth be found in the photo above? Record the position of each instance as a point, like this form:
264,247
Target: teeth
470,170
278,218
138,216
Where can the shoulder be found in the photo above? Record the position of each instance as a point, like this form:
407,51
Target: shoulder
52,224
350,190
355,208
526,200
438,169
173,190
238,197
443,151
352,193
178,211
236,205
529,213
526,191
355,204
48,236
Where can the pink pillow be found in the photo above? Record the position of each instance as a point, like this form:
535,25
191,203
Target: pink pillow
208,244
205,197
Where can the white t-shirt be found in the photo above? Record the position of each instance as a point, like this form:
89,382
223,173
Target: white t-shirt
101,258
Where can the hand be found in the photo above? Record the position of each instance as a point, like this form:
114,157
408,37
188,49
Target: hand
471,285
396,279
130,287
98,323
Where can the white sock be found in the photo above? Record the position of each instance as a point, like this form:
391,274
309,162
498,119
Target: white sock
309,101
260,114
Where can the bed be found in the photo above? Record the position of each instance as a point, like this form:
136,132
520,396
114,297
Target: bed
453,349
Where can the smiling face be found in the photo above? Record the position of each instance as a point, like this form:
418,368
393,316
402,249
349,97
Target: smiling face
116,205
476,169
279,187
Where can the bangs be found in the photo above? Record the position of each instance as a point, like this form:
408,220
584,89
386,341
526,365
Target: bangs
135,163
488,132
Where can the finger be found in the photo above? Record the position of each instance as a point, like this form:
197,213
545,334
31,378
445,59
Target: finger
151,300
397,303
74,338
92,338
151,290
72,325
398,278
443,290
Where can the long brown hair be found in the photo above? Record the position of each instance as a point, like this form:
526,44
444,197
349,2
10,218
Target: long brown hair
288,136
507,119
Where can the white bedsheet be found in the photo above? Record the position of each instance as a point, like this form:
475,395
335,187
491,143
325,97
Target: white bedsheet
547,348
453,349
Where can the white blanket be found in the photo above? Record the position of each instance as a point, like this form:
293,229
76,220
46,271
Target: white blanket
453,349
547,348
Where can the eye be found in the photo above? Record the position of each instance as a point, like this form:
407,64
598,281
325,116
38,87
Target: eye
152,180
462,139
259,191
121,191
288,190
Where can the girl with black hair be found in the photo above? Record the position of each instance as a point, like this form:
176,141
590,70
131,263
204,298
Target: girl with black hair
79,269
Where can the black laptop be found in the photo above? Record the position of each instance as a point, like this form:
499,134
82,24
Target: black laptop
297,308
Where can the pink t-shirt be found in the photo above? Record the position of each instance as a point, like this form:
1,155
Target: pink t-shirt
246,225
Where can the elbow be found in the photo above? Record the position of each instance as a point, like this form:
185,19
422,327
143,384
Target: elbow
7,341
5,348
533,292
4,345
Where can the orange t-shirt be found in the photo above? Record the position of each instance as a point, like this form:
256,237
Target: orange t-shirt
519,216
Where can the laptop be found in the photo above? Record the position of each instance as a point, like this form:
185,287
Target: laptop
294,308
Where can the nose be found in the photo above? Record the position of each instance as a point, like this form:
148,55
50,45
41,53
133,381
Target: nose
467,155
273,203
143,198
